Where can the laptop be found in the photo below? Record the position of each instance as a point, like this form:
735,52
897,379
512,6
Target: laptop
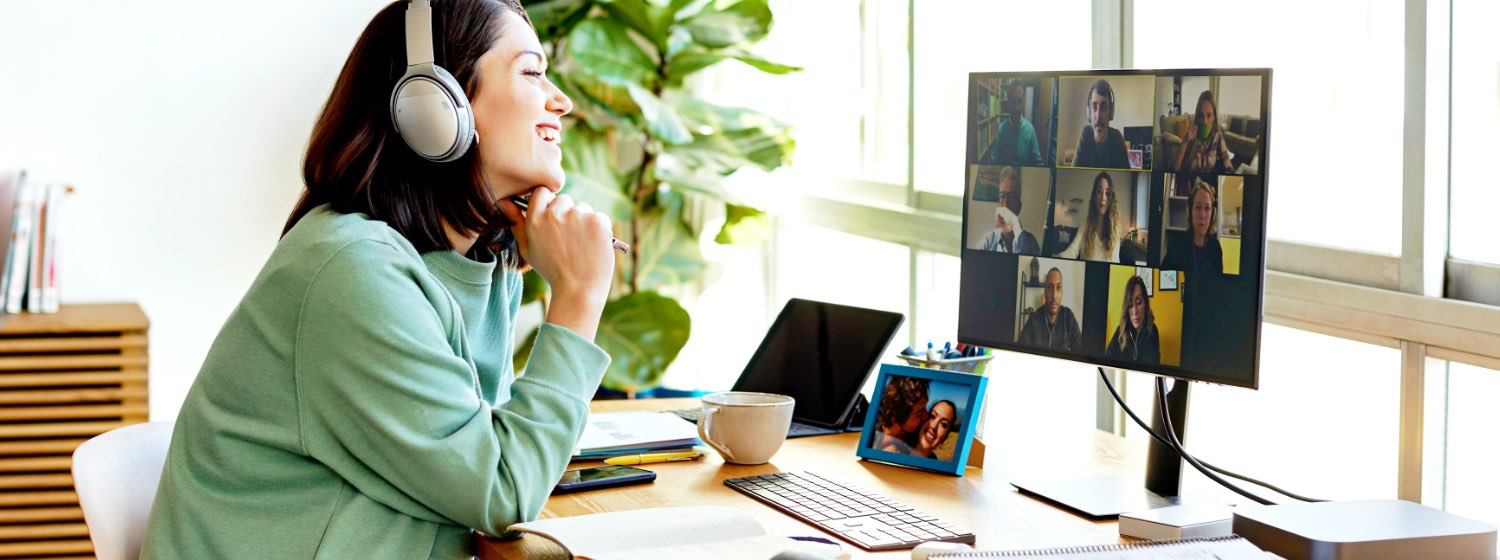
820,354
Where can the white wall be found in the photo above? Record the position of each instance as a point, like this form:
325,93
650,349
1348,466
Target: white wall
1239,95
182,125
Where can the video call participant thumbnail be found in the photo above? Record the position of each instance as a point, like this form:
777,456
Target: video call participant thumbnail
1101,145
1009,235
1145,321
1205,150
1197,249
1054,325
1099,237
1016,138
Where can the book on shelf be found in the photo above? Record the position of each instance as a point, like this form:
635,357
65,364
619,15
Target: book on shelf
29,211
715,532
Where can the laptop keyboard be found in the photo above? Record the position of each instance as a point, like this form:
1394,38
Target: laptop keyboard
866,519
797,429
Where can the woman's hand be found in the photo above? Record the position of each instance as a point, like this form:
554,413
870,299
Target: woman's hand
569,245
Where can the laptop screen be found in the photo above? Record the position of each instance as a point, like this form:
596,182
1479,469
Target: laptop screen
820,354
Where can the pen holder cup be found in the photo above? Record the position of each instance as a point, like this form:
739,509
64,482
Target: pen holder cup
972,364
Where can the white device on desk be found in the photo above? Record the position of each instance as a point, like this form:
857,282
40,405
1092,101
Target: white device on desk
1354,530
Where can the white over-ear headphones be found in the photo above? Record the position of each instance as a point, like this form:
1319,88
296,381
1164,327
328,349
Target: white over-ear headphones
428,107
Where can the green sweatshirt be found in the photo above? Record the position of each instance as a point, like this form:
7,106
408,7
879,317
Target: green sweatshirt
360,403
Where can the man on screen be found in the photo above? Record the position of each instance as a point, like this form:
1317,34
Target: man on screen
1100,145
1008,235
1053,326
1015,141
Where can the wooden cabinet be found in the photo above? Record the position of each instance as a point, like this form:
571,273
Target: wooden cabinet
64,377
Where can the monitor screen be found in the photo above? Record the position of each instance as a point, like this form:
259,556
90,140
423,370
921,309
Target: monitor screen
1117,217
820,354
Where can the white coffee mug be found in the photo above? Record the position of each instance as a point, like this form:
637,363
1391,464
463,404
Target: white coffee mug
745,428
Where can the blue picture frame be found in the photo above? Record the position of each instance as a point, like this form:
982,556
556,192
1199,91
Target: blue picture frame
962,389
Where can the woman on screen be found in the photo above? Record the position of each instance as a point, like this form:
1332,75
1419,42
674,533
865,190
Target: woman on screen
1136,337
360,402
902,413
1099,237
1205,150
1198,249
942,419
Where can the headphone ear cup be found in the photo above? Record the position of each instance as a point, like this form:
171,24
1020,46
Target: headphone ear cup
432,114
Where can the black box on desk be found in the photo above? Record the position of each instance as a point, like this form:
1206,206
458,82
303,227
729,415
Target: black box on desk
1356,530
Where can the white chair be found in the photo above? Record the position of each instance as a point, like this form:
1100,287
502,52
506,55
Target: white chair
115,474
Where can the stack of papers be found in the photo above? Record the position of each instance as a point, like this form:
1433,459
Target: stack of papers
618,433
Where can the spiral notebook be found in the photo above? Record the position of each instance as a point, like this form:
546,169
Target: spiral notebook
1217,548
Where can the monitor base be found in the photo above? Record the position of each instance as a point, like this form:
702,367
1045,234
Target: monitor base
1097,497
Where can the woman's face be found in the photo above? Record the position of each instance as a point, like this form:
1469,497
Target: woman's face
1203,213
939,423
1101,196
518,114
1206,113
917,417
1137,306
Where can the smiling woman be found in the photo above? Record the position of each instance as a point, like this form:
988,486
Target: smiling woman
365,379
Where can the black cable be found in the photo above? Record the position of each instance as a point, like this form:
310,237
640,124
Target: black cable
1163,440
1161,397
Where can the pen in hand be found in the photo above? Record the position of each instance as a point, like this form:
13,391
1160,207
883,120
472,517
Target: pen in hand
522,203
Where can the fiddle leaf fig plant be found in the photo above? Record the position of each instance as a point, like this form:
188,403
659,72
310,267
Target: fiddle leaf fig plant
643,148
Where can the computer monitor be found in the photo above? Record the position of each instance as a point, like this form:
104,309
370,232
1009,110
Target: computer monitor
1139,243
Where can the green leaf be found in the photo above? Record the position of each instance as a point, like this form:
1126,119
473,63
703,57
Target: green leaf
686,63
533,286
672,170
522,355
642,333
746,21
728,152
556,18
765,65
667,252
661,120
650,20
602,105
603,47
743,225
698,114
592,178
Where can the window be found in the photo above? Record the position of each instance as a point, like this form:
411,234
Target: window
958,37
1333,434
1469,487
1476,117
1335,112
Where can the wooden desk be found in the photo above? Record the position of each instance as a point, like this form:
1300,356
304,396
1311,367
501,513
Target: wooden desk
998,515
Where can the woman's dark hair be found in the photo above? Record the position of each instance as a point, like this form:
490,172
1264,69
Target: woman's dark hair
900,396
357,162
1100,228
1148,320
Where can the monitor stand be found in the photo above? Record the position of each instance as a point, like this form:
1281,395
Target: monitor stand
1106,497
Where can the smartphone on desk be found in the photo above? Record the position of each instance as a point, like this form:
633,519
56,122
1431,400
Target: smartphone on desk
601,477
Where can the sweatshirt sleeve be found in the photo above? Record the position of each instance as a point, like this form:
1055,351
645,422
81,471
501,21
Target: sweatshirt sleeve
386,402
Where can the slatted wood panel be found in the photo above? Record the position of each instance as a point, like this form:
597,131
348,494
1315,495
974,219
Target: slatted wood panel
64,378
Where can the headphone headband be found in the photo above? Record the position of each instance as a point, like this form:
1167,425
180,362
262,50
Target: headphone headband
419,33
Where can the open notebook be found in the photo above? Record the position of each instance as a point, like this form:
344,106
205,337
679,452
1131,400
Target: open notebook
714,532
